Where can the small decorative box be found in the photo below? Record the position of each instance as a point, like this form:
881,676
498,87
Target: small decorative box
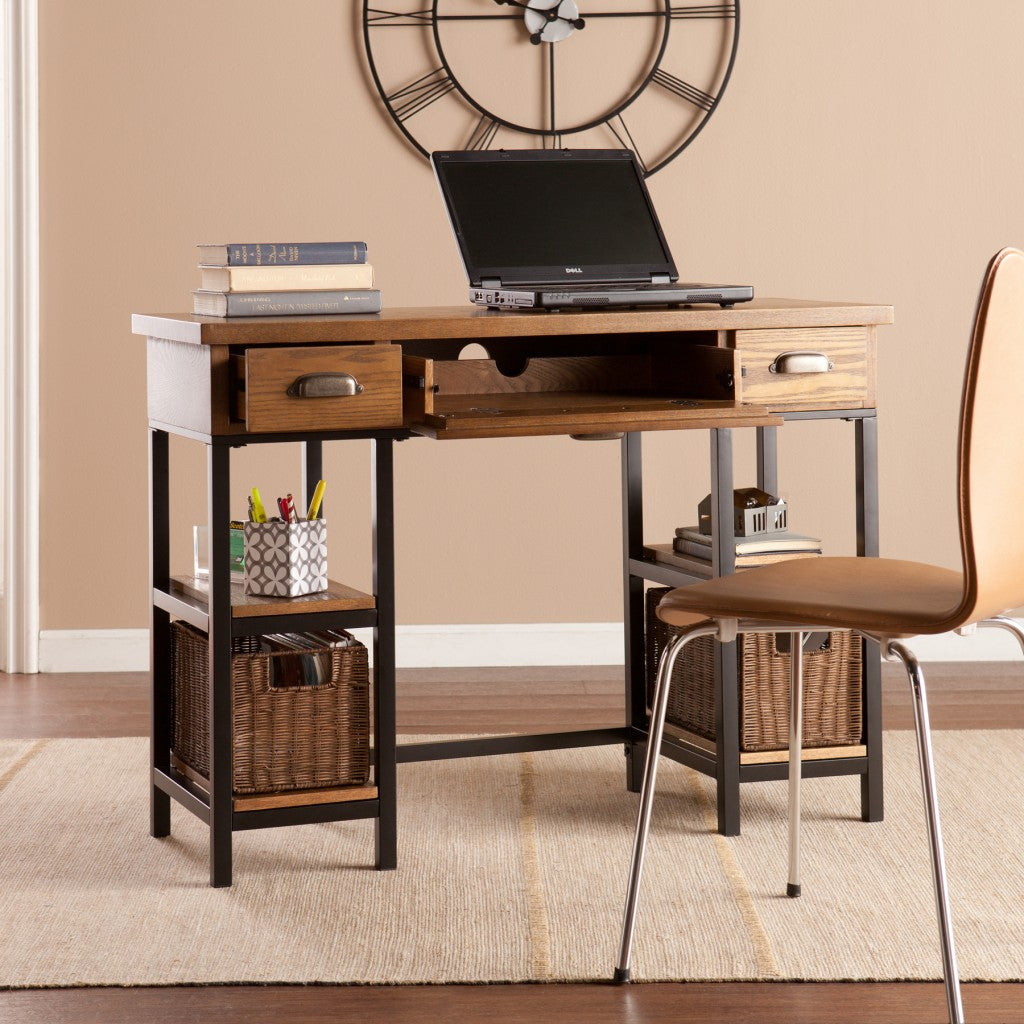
286,559
754,511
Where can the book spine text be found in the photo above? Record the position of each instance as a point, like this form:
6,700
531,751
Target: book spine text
267,254
291,303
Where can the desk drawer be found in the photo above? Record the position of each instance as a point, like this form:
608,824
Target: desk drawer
807,368
679,386
323,387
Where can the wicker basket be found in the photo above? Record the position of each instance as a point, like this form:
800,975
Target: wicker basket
831,677
283,738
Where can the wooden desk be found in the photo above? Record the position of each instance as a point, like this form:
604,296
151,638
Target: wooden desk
224,383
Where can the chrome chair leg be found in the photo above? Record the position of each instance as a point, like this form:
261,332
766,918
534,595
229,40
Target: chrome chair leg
655,732
796,723
924,749
1010,625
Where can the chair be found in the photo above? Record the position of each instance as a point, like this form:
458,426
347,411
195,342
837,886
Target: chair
884,600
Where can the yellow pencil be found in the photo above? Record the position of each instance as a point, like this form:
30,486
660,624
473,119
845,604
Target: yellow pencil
318,496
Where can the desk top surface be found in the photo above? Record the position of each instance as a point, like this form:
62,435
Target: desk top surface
428,322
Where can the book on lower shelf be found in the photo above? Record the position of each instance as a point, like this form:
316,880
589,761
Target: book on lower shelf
286,303
288,277
690,540
701,566
276,254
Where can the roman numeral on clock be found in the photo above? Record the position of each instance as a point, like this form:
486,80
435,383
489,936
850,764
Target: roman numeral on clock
483,133
617,126
418,95
684,90
378,17
703,11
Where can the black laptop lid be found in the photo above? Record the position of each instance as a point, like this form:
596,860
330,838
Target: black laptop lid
538,217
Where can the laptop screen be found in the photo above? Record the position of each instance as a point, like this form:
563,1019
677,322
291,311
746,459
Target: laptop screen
552,216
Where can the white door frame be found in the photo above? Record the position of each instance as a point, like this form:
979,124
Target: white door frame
19,371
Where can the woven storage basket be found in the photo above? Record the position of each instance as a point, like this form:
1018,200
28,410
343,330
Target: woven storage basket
283,738
831,677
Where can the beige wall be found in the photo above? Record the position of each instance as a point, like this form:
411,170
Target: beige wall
863,151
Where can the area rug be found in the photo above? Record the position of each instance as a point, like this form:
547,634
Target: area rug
511,868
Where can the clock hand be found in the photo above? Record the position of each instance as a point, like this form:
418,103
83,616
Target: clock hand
551,13
576,22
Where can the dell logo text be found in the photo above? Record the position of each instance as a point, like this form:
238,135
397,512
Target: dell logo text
574,270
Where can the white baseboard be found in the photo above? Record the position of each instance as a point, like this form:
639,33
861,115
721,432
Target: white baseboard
536,643
93,650
597,643
467,646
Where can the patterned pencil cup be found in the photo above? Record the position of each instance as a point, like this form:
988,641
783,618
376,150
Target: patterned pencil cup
286,559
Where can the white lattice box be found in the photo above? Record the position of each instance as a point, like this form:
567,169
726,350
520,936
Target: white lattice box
286,559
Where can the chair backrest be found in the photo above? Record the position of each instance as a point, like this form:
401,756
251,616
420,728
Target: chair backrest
991,477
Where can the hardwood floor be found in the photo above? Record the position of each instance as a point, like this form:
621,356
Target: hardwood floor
962,696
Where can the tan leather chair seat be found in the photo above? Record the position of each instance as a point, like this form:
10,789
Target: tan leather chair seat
881,596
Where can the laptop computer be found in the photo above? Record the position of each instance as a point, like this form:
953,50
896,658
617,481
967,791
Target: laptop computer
562,228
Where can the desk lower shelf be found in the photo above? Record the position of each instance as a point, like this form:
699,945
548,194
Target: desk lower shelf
336,598
691,739
273,801
188,599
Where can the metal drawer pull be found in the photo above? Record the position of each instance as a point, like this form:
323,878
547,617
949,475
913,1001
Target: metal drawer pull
324,385
801,362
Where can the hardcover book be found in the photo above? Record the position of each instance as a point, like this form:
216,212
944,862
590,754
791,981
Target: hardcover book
286,303
275,254
781,540
701,567
687,550
286,278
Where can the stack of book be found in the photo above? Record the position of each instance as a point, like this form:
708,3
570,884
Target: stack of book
284,279
311,665
759,549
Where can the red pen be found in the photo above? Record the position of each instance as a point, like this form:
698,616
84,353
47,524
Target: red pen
282,508
289,504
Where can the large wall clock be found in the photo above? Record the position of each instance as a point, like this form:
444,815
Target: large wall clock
645,75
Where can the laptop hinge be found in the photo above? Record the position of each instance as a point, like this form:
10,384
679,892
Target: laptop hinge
490,282
660,279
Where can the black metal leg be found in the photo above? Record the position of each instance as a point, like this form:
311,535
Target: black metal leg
313,470
159,634
872,805
221,767
767,459
633,614
727,718
385,772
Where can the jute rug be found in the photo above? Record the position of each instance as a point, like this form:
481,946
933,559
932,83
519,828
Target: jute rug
510,869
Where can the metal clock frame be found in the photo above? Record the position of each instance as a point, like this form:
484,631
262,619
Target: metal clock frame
409,100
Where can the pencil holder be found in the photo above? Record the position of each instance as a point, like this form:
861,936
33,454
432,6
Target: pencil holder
286,559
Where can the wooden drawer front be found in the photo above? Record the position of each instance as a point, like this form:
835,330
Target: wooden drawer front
270,372
848,383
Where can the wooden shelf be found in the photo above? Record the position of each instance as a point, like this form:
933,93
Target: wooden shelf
290,798
336,598
303,798
765,756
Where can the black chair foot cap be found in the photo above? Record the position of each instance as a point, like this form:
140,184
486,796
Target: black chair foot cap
621,976
792,890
